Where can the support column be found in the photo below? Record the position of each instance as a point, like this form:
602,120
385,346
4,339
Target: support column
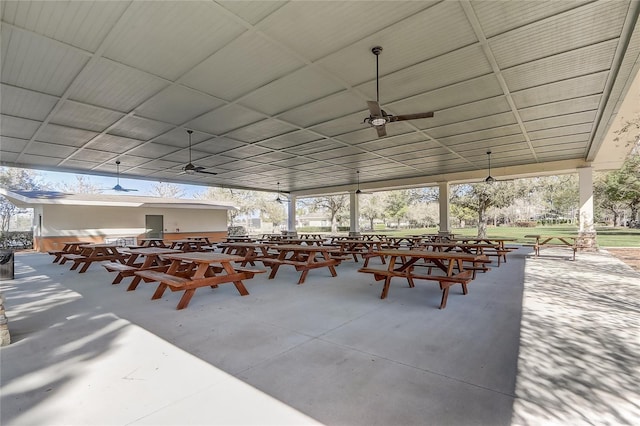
443,200
291,215
585,220
354,214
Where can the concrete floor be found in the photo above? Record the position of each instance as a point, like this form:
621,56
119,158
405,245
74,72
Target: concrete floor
535,341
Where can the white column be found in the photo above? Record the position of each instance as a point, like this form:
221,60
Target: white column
443,200
585,178
354,214
291,215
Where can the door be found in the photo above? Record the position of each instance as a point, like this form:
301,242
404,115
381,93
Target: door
154,225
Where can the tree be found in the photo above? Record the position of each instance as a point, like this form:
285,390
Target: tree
423,215
271,211
82,185
623,185
603,202
244,201
15,180
371,208
479,197
333,205
397,204
167,190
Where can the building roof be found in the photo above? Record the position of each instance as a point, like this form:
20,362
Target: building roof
277,91
30,199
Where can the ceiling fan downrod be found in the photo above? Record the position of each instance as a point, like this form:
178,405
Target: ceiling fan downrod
376,51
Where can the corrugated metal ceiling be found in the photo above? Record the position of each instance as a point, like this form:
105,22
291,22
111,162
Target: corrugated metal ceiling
277,91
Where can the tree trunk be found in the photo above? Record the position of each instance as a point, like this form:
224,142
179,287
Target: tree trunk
371,222
482,223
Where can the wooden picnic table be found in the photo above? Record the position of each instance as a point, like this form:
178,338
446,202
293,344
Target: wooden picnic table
187,244
90,253
152,261
311,236
199,273
487,240
205,240
152,242
69,247
402,264
573,242
470,248
238,239
303,258
303,241
375,237
408,241
362,247
250,251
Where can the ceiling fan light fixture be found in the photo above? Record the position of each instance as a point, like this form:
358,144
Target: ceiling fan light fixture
378,121
489,179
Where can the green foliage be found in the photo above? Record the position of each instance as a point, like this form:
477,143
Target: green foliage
479,197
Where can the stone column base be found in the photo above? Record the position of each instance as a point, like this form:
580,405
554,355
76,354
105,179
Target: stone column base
5,337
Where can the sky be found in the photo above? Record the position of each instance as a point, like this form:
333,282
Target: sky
144,187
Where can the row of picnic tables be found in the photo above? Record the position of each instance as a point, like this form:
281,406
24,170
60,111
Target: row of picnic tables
186,268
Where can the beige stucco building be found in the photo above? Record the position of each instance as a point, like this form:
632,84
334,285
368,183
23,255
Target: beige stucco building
59,217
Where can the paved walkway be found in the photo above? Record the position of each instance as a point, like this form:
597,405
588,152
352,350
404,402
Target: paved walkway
536,341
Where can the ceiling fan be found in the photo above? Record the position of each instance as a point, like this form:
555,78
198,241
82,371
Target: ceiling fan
118,187
358,191
379,117
489,179
281,198
190,168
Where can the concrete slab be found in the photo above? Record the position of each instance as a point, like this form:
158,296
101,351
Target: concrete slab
330,351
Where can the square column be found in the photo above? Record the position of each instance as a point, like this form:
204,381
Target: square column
354,213
585,179
443,201
291,215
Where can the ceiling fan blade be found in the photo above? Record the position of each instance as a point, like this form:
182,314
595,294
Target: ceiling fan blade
382,131
201,170
374,108
411,116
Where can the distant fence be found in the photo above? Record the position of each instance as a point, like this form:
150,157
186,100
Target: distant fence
17,240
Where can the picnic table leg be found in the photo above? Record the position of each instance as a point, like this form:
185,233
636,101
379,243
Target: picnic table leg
85,266
159,291
303,276
445,295
186,298
118,278
274,270
134,283
385,288
410,281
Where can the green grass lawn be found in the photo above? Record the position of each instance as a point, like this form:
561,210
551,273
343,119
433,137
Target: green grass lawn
607,236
